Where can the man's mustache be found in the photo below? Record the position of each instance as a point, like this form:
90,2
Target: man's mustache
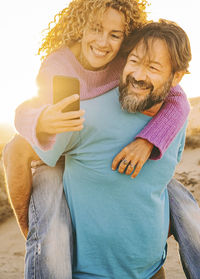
142,84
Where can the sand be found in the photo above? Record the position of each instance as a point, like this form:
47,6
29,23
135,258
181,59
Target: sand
11,250
12,254
12,246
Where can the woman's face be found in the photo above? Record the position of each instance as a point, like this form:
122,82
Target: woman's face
101,41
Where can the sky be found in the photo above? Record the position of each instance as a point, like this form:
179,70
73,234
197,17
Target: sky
21,23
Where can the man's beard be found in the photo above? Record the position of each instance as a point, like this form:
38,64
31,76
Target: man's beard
133,102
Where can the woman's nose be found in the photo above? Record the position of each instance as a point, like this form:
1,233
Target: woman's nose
102,39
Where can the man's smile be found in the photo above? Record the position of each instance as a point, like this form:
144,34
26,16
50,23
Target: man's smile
139,87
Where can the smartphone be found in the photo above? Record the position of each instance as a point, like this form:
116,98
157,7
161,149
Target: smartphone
64,86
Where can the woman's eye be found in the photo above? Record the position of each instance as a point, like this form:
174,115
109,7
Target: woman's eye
117,37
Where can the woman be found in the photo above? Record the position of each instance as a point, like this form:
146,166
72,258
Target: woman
94,46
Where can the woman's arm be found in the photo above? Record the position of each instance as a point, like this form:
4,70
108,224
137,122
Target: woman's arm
164,126
39,120
28,113
156,136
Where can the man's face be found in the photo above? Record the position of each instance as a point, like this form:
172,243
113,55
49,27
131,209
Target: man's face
147,76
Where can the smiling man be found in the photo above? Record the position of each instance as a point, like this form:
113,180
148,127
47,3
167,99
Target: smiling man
148,74
121,225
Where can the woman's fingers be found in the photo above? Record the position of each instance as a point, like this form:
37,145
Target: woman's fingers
130,167
65,102
57,127
68,129
137,169
71,115
117,160
131,159
123,165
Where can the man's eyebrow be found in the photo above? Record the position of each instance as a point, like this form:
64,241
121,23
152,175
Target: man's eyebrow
133,55
155,62
151,61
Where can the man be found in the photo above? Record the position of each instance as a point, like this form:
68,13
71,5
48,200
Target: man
36,238
121,225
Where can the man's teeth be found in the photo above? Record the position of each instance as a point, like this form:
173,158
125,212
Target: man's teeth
136,86
139,87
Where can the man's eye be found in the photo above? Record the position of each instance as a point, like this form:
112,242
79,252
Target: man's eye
133,61
153,68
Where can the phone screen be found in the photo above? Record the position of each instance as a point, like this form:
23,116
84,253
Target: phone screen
63,87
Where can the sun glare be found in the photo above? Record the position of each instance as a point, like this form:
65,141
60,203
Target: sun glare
21,30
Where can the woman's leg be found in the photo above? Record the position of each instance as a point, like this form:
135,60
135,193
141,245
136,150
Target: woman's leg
49,243
160,274
185,226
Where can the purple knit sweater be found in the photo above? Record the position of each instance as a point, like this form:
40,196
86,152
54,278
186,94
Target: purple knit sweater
160,131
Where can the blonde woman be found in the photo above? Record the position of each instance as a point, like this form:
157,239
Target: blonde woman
85,42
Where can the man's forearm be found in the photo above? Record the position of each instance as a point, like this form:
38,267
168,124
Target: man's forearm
17,159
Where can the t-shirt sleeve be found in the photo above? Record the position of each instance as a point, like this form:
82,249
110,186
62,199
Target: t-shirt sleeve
182,144
64,143
165,125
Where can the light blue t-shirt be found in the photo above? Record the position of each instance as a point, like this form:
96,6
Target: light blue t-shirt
120,224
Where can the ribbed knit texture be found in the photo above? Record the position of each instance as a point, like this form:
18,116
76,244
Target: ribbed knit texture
165,125
160,131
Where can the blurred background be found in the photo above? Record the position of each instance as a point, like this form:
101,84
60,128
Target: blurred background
21,23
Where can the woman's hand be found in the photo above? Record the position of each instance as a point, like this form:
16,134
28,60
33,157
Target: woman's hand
132,157
54,121
153,110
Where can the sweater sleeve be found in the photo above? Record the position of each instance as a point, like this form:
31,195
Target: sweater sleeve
27,114
164,126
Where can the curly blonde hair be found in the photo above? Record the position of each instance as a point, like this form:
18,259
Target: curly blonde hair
71,21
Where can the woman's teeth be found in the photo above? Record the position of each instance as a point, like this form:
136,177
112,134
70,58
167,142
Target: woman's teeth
99,52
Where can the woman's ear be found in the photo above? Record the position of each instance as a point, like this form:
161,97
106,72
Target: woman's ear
177,77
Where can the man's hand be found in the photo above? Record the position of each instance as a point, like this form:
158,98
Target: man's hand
132,157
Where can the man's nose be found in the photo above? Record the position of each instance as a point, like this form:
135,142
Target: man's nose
140,74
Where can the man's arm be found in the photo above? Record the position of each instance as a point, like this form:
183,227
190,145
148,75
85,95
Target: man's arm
17,157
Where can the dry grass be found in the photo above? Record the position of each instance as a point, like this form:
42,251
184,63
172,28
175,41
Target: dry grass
192,141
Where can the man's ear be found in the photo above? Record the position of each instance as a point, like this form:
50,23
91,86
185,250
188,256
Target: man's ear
177,77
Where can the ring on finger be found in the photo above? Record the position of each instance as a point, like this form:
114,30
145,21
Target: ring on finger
125,162
131,166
